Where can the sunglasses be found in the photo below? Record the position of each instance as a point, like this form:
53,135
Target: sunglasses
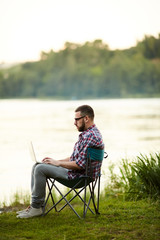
77,119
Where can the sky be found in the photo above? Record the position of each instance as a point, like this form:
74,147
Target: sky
28,27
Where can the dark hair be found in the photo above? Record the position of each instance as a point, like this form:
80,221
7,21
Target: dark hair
85,110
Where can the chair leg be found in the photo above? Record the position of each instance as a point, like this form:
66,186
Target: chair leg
84,207
87,207
92,192
49,195
91,189
77,194
98,195
63,197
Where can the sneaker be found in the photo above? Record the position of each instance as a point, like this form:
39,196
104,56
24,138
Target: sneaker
31,212
24,210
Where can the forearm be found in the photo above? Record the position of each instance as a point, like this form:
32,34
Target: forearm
65,160
69,165
65,163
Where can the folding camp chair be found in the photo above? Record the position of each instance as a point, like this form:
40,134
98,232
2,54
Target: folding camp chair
94,158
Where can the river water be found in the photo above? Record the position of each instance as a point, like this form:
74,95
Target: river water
129,127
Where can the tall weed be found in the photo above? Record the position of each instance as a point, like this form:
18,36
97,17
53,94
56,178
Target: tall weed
141,178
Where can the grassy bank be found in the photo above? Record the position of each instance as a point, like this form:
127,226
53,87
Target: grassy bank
119,219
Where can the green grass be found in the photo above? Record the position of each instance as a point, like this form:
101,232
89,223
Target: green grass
119,219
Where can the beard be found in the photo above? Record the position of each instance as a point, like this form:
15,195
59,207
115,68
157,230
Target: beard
82,127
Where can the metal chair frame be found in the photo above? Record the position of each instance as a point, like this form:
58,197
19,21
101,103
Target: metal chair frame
77,186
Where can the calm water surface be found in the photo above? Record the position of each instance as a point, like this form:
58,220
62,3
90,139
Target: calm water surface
129,127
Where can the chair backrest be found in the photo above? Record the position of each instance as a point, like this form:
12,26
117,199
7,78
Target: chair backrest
95,154
94,161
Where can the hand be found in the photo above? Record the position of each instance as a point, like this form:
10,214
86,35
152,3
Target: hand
50,161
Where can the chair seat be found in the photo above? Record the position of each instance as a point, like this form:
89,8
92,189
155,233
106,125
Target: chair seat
74,183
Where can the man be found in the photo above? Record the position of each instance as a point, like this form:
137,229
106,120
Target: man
69,168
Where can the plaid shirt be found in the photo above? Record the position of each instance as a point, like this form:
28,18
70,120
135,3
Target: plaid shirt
89,138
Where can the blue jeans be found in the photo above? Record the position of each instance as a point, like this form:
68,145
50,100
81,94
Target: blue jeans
40,172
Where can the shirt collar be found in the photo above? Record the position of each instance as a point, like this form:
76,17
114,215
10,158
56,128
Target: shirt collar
87,130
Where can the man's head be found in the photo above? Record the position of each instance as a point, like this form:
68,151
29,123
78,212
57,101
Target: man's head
84,117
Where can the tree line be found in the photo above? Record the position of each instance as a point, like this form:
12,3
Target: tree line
89,70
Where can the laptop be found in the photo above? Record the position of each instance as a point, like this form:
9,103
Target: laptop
32,152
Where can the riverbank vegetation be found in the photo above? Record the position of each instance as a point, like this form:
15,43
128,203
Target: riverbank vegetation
129,206
139,179
90,70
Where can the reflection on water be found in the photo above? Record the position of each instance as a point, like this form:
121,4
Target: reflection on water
129,127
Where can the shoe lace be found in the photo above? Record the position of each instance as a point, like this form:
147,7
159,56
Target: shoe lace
28,208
